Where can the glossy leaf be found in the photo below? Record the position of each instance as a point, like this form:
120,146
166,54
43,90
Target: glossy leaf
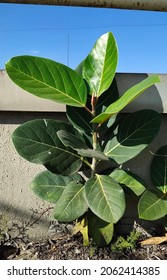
152,205
129,180
98,69
70,140
81,118
159,169
132,135
37,142
108,97
72,203
105,198
49,186
99,230
126,98
48,79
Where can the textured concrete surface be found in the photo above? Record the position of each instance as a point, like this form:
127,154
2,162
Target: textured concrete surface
18,204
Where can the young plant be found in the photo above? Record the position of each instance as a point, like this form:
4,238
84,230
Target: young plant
153,203
123,245
95,142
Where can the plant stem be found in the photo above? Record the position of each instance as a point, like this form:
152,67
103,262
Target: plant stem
87,163
94,134
94,160
89,111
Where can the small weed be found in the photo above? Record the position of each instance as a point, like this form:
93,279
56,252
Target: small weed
123,244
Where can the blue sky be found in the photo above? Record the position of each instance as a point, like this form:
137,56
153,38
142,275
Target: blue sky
67,34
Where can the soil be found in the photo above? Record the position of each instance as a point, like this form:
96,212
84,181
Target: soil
63,245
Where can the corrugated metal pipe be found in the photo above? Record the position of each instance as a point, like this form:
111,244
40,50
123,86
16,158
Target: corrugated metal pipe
149,5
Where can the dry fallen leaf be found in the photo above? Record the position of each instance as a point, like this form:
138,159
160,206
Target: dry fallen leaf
154,240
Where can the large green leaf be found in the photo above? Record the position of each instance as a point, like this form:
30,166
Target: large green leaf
108,97
81,118
152,205
37,142
158,169
48,79
50,187
98,69
129,180
126,98
99,230
105,198
70,140
132,135
72,203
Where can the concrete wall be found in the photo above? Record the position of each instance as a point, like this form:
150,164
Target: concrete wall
12,98
17,203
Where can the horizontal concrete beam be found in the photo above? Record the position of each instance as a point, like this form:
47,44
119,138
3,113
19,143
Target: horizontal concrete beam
157,5
13,98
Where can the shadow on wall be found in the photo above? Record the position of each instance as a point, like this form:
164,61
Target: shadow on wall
150,99
31,217
11,117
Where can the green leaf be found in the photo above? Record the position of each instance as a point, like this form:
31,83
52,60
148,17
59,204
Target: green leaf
37,142
152,205
132,135
105,198
98,69
99,230
49,186
126,98
72,203
81,118
108,97
70,140
48,79
158,169
129,180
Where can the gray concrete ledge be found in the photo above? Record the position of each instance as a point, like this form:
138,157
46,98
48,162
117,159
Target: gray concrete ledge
13,98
